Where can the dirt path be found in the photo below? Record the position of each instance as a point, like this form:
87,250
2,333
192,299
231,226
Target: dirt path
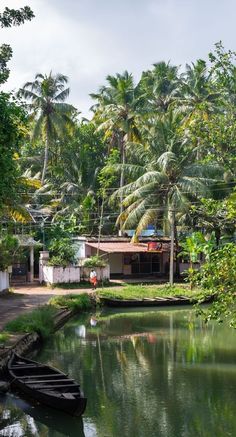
26,298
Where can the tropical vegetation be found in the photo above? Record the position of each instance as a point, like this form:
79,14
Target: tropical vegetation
159,151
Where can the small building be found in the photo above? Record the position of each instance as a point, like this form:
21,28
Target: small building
149,257
23,270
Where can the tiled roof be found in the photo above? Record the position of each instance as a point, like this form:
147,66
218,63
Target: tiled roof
121,247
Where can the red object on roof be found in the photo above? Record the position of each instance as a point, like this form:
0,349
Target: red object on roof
154,246
116,247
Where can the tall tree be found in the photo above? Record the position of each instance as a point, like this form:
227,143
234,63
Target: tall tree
199,92
52,116
116,112
159,87
165,182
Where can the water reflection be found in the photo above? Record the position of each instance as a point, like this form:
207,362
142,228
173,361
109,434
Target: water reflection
145,373
19,418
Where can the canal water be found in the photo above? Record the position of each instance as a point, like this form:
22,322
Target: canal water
153,373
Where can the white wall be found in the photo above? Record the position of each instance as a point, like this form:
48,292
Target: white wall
4,281
79,246
102,273
60,275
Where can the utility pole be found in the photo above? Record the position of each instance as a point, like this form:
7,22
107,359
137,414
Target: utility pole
100,223
172,245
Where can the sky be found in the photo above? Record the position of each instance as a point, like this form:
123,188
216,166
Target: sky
89,39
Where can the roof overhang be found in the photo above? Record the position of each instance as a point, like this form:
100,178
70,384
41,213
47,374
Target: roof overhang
119,247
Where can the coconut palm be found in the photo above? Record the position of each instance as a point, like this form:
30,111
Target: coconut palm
160,87
165,183
52,116
117,113
198,89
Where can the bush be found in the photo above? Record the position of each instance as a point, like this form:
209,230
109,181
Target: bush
95,261
218,276
40,320
8,247
4,336
72,302
62,253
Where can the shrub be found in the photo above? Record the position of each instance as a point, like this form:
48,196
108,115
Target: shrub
62,252
40,320
4,336
95,261
218,275
8,247
72,302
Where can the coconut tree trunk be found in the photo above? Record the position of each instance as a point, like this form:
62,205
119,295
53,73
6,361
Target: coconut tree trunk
122,180
172,240
45,163
177,269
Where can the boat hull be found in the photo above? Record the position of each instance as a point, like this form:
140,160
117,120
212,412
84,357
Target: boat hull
70,401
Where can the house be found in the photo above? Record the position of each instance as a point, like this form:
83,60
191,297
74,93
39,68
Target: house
149,257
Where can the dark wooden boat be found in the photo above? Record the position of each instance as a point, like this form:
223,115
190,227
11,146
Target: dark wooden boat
46,384
147,302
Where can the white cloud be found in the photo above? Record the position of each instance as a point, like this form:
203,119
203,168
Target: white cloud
88,39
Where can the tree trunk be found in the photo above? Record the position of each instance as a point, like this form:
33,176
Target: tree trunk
45,163
177,270
122,180
172,243
217,235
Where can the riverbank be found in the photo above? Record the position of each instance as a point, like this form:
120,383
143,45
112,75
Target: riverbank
140,291
40,312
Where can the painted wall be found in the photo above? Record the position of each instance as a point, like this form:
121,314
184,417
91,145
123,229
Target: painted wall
59,275
102,273
79,246
4,281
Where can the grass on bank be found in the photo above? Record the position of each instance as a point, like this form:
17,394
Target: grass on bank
40,320
151,291
4,337
73,302
84,284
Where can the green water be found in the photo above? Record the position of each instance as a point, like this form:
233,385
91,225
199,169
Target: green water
145,373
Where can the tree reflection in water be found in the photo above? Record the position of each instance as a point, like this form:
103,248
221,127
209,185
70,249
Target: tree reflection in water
149,373
19,418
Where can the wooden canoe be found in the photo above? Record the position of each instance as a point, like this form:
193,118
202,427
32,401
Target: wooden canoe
148,302
46,384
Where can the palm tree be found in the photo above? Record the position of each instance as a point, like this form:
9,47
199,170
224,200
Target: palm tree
198,90
117,113
52,116
165,183
160,87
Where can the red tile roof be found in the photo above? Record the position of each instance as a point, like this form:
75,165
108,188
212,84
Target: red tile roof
116,247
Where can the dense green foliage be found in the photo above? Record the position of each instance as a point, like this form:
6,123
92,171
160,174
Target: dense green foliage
8,247
218,275
156,151
12,131
95,261
61,251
